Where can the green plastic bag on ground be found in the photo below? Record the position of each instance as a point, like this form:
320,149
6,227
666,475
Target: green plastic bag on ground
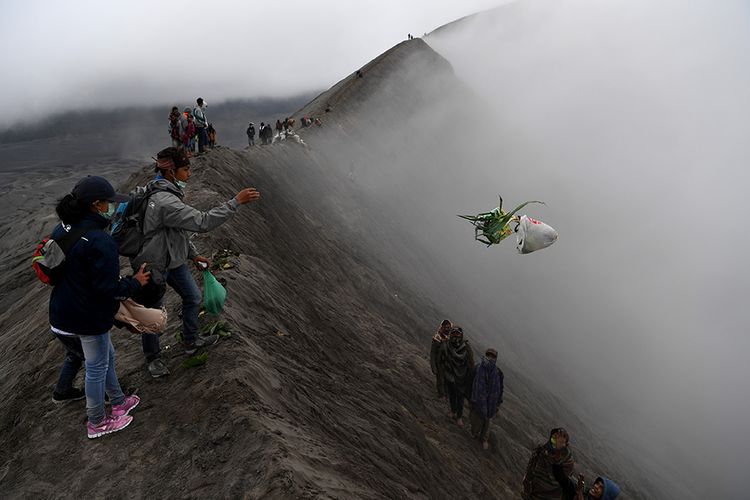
214,294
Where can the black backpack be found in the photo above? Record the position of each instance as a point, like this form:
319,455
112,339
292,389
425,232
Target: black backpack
127,222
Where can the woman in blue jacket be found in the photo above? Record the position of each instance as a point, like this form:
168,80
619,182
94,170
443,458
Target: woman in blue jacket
84,303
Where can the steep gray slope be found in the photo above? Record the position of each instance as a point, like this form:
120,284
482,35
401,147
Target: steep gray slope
324,389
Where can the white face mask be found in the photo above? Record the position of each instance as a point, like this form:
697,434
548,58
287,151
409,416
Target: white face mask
181,184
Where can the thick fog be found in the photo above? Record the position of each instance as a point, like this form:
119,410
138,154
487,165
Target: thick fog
61,56
630,119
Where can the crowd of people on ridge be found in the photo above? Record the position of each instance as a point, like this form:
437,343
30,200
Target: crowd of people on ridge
458,379
284,129
191,128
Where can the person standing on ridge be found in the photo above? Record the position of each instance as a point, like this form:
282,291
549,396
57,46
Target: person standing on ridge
83,304
539,482
211,136
251,134
174,127
167,222
457,359
201,124
486,396
279,128
188,141
440,337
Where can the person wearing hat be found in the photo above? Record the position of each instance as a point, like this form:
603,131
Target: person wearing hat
456,358
486,396
167,224
548,461
438,339
84,302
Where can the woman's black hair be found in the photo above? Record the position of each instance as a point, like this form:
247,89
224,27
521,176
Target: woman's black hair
71,210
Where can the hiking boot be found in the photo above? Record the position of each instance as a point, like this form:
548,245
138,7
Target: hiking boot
72,394
200,342
108,426
157,368
127,405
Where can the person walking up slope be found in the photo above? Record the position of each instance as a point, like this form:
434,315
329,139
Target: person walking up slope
84,303
539,482
486,396
457,359
167,222
440,337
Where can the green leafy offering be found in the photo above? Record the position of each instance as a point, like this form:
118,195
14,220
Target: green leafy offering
197,360
493,227
220,328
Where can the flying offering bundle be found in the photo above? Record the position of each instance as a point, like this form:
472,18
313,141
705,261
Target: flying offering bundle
494,226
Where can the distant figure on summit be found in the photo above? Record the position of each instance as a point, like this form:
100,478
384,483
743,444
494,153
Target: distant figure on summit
251,134
167,223
188,133
174,127
211,131
440,337
201,124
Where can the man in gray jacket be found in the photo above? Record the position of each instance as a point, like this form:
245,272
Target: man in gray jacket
166,249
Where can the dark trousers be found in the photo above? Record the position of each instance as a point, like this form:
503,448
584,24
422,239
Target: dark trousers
202,139
456,398
440,384
74,359
480,426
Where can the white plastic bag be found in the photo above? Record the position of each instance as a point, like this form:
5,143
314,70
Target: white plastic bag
533,235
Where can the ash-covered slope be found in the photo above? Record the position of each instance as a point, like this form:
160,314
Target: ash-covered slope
324,389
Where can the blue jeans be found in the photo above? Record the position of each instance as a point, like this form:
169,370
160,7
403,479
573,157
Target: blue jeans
71,365
100,375
181,280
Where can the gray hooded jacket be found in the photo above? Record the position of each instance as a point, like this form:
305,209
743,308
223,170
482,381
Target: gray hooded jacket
166,226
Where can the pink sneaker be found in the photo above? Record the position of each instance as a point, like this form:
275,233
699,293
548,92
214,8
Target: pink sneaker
108,426
127,405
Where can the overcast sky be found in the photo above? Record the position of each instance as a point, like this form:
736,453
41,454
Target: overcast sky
88,54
